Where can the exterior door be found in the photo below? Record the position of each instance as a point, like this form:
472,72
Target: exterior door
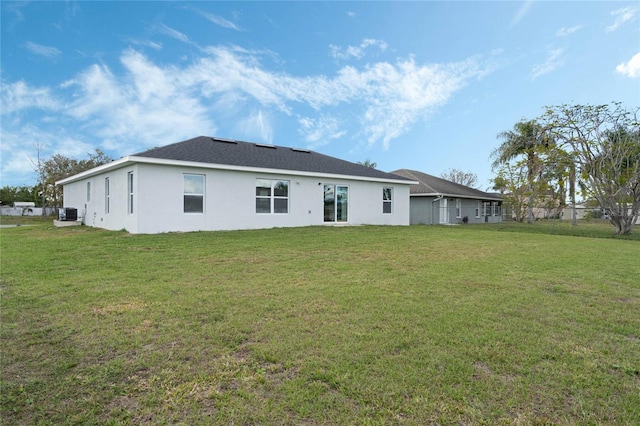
336,203
444,210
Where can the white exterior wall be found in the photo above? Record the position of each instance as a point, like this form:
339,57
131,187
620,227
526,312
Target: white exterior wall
230,200
92,212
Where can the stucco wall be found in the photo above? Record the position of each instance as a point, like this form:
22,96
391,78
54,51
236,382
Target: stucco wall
229,201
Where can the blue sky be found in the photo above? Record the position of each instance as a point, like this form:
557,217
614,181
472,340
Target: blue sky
418,85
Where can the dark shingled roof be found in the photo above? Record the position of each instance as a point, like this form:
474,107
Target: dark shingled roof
204,149
431,185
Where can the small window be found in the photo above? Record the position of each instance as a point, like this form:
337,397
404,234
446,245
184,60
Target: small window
458,208
193,201
130,193
478,209
107,196
88,191
387,195
272,196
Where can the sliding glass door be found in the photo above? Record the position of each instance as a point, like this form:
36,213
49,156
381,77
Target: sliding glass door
336,203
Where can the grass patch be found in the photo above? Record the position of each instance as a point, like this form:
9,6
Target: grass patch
319,325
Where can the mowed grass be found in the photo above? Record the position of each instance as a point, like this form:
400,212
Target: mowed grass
320,325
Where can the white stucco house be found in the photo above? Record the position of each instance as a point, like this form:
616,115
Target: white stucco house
210,184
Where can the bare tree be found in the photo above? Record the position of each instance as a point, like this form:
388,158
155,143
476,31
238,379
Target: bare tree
463,178
605,144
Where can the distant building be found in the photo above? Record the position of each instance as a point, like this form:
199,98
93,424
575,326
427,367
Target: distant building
439,201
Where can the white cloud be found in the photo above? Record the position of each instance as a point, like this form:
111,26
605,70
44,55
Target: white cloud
148,105
357,52
622,16
40,50
631,68
174,33
220,21
146,43
20,96
563,32
319,131
522,11
554,60
255,126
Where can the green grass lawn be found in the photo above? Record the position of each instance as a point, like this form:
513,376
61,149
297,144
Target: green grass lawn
321,325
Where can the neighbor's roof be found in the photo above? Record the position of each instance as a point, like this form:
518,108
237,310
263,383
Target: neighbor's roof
434,186
232,154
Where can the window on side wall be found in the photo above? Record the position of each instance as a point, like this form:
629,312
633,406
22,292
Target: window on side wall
496,208
272,196
458,208
387,200
88,191
130,193
107,196
193,193
478,209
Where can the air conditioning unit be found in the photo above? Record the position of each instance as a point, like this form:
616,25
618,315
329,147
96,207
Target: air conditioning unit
68,214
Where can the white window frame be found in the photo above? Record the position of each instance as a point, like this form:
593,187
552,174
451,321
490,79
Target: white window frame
387,202
130,193
496,208
335,203
186,193
458,208
272,197
107,195
486,208
478,208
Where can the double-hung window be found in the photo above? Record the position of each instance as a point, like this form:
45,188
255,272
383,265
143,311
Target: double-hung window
193,194
272,196
387,195
130,193
336,203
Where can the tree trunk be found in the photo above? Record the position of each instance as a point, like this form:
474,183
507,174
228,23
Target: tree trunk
572,194
624,225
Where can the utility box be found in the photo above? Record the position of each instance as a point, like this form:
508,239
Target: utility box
68,214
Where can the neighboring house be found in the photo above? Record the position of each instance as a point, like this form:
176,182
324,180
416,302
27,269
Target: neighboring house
439,201
209,183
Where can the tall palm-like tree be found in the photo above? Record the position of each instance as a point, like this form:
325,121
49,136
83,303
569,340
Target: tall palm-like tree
527,139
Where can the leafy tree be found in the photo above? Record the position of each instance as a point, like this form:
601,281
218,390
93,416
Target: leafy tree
59,167
605,144
11,194
368,163
518,196
527,139
463,178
